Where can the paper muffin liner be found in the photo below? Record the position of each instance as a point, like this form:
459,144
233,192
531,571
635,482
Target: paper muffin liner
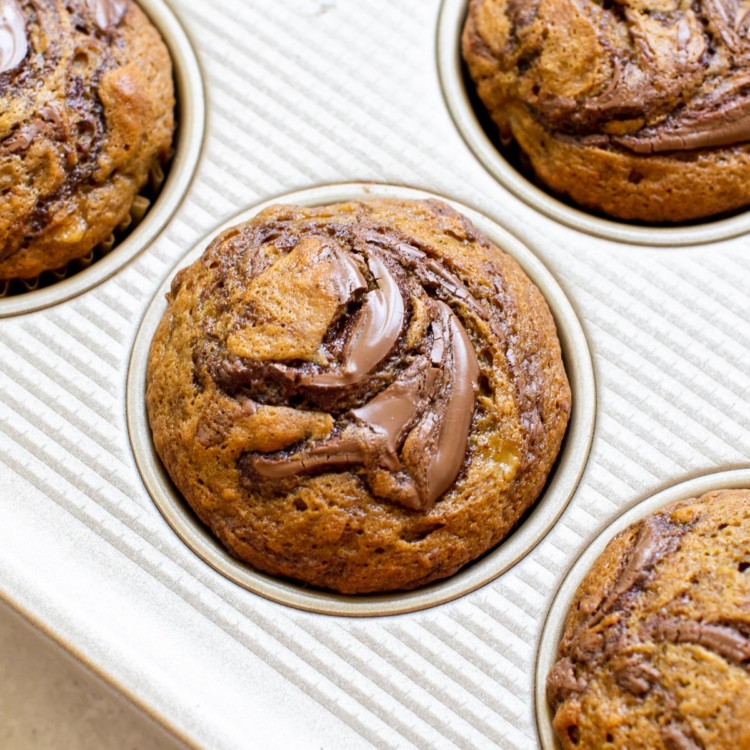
557,614
477,130
529,530
136,214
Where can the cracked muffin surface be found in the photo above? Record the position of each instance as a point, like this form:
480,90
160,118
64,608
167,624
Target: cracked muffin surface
636,108
363,397
86,119
656,648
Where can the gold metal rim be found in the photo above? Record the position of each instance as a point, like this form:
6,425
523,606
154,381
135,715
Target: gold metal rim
450,24
547,510
191,120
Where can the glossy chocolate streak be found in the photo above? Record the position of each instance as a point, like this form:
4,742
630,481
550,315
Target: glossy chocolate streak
438,443
108,14
668,80
348,277
375,333
409,436
394,410
657,538
438,392
14,43
724,127
372,439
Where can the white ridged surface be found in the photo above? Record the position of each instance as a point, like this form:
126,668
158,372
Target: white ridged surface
299,93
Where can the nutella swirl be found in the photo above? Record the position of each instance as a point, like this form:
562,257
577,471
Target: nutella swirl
403,411
659,621
87,100
108,14
375,333
643,77
429,405
14,43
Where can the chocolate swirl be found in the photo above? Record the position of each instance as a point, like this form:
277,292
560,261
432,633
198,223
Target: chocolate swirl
648,78
363,396
661,621
403,408
636,109
87,101
429,405
108,14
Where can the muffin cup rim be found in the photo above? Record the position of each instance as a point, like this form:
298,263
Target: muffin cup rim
561,485
190,118
559,606
451,17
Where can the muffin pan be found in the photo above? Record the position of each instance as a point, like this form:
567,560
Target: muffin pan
190,117
307,97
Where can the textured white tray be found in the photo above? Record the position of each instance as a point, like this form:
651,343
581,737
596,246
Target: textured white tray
301,93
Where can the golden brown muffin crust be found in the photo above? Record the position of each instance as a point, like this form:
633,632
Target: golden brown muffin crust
86,115
364,396
656,649
637,108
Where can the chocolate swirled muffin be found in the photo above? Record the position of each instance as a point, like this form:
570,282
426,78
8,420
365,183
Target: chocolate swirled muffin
363,397
636,108
86,116
656,650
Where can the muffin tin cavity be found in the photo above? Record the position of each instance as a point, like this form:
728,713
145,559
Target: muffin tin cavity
558,611
153,208
534,525
479,133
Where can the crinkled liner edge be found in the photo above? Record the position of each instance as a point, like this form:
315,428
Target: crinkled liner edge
191,123
137,213
554,625
450,24
558,492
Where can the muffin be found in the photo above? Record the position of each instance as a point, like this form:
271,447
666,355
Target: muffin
86,119
656,650
639,110
362,397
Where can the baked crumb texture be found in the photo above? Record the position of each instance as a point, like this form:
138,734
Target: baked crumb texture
86,116
636,108
656,651
363,397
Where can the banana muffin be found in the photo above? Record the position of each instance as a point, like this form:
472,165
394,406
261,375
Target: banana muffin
636,108
656,650
86,116
362,397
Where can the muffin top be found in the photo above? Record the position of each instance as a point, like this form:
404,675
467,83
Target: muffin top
363,397
86,115
656,649
640,86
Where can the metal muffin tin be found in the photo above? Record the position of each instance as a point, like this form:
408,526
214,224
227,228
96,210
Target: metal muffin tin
299,94
555,623
546,511
190,116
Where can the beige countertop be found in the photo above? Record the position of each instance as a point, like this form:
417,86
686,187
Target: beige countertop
48,701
